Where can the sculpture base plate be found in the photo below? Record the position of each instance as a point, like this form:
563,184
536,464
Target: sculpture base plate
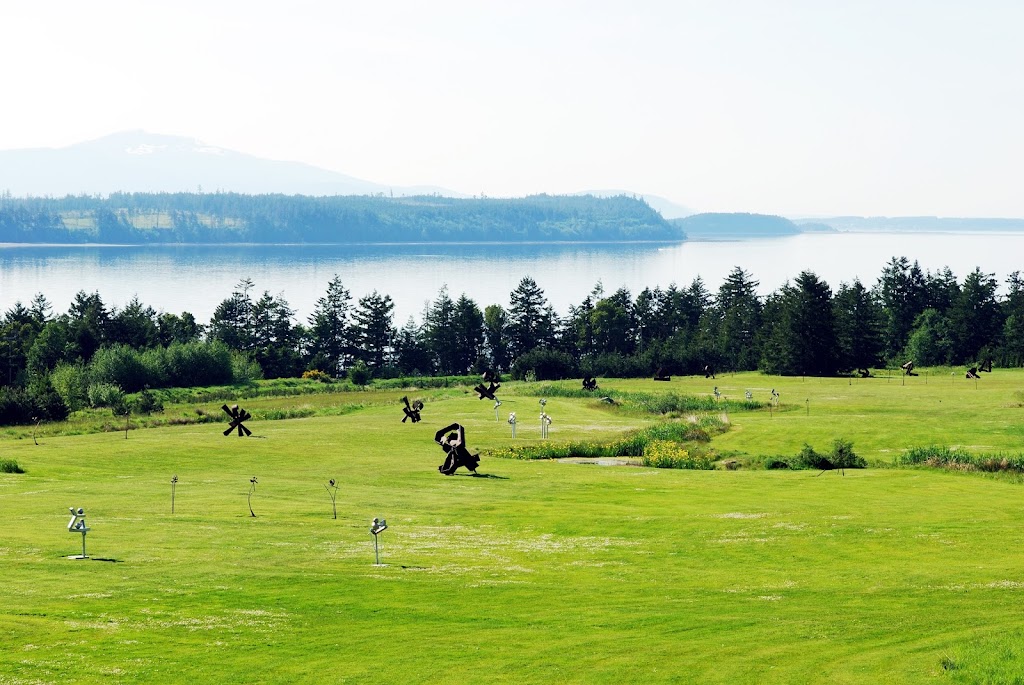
78,556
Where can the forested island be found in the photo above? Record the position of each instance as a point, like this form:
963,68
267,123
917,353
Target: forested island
154,218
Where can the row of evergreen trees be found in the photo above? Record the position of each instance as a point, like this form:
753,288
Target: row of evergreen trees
803,327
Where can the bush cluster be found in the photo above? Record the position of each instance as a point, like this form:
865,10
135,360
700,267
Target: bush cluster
633,444
119,369
317,375
10,466
841,456
960,460
25,405
666,454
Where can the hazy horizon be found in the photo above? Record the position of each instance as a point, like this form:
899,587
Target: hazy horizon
797,109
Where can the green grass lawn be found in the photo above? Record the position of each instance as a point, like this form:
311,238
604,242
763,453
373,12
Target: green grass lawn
544,572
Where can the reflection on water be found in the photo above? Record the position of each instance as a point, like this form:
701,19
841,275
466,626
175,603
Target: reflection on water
196,278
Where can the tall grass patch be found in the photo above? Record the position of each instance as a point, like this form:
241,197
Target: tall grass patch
659,445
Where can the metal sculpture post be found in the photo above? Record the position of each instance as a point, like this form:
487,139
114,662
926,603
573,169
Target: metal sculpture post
77,525
377,526
545,421
497,403
332,490
252,489
174,482
512,422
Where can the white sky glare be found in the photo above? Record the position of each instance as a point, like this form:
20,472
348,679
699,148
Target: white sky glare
797,108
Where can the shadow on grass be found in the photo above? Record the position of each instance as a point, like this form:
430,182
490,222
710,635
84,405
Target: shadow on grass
482,475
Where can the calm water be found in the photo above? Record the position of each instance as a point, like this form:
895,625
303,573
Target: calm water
196,278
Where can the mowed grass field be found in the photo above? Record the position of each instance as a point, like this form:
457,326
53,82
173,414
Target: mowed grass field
541,572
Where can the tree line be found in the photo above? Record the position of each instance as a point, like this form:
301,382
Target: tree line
58,363
135,218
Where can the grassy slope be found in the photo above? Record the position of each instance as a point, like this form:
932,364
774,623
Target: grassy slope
882,416
546,573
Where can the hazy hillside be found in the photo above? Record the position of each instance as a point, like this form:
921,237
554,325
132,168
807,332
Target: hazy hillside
136,161
667,208
734,226
232,217
922,224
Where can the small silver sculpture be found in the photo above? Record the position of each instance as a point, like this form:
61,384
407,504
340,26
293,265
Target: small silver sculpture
377,526
545,421
77,525
512,422
497,403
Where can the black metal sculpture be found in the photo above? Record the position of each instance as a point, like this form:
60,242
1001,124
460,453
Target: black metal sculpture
660,376
709,371
908,368
452,440
589,383
487,392
412,411
237,417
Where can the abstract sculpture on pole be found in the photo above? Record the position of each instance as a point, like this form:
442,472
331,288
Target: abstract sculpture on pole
77,525
332,490
377,526
252,489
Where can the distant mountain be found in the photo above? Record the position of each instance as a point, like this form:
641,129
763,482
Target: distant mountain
667,208
918,224
136,161
735,226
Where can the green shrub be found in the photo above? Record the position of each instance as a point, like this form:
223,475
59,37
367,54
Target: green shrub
841,456
773,463
545,364
24,405
10,466
360,374
122,366
809,459
71,382
244,369
107,395
146,402
198,363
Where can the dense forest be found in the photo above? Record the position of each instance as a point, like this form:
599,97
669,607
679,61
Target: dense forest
93,354
132,218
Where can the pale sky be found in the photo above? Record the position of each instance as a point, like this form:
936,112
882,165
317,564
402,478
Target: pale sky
797,108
